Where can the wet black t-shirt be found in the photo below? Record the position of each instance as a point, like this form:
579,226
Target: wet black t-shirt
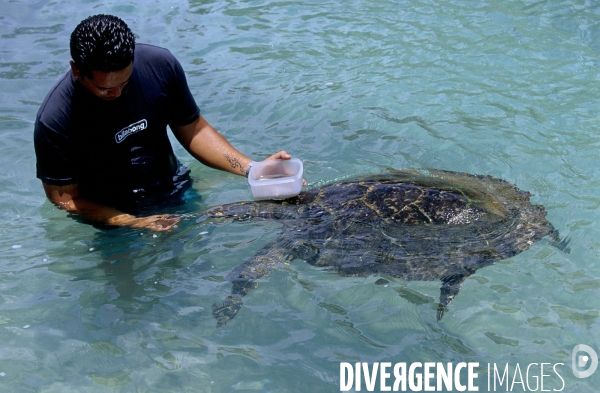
118,152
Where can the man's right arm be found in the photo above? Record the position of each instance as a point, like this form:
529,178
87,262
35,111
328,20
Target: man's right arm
67,198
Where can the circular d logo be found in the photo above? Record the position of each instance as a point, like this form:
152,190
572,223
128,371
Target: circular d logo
579,361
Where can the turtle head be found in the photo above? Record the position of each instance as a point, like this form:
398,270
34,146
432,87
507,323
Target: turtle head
240,211
267,210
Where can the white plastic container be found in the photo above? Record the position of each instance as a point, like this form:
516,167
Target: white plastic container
277,179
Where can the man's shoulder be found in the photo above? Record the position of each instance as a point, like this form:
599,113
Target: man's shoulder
57,103
156,63
150,54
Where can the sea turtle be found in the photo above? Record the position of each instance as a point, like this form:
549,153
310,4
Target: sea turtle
410,224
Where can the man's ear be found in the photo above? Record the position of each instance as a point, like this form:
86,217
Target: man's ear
75,70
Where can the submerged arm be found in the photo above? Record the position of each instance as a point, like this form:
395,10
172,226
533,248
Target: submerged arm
67,198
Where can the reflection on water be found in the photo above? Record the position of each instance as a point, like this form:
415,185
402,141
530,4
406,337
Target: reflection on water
501,88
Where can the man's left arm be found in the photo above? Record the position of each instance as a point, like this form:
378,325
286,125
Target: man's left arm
209,147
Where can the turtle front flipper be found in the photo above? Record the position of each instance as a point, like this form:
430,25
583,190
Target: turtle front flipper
228,310
245,277
450,288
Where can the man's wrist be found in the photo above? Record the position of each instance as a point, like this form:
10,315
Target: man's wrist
120,220
247,173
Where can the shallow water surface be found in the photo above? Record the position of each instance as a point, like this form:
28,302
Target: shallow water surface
505,88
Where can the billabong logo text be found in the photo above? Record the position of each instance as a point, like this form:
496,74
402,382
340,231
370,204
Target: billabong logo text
130,130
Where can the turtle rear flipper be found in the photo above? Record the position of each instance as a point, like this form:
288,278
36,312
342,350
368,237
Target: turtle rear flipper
561,244
450,288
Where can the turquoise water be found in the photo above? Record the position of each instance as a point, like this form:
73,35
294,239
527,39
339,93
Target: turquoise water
506,88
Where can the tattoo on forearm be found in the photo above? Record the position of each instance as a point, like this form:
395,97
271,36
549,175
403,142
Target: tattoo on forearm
235,163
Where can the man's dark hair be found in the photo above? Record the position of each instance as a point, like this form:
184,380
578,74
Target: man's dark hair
102,43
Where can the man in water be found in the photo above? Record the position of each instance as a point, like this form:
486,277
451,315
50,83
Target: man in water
100,135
